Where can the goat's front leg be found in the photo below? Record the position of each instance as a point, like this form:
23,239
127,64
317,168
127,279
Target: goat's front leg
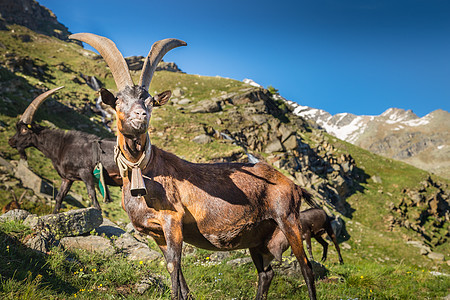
172,248
63,190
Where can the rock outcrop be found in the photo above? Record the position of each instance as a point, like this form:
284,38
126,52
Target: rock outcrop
425,210
135,63
31,14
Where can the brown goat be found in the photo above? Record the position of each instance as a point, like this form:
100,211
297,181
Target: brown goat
218,207
315,222
14,204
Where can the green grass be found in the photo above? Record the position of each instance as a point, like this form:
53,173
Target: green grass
70,275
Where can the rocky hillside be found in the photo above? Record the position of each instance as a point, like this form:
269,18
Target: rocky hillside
31,14
384,211
396,133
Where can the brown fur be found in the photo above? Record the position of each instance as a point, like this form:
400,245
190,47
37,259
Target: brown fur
10,206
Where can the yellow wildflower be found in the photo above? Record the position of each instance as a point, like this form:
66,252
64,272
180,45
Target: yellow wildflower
141,262
362,277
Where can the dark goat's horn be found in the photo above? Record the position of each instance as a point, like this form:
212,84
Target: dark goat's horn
159,49
112,56
28,115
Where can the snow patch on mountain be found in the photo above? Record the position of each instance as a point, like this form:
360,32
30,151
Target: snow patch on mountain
251,82
349,127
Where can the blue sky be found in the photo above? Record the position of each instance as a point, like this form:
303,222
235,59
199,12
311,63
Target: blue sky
360,56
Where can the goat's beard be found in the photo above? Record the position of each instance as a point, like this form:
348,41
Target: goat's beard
134,146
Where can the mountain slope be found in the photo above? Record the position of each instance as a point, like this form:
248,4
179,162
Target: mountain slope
396,133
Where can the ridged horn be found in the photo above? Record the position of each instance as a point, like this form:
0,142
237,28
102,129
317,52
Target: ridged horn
157,52
28,115
114,59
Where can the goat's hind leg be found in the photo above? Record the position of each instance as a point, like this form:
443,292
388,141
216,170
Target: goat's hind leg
330,232
88,180
324,245
265,272
290,226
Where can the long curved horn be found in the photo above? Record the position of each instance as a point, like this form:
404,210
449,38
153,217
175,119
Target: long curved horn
114,59
28,115
158,50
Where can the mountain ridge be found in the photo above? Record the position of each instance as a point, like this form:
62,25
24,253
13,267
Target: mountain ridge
395,133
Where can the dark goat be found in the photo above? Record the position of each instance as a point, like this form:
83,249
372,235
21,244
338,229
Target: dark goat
220,207
315,222
71,152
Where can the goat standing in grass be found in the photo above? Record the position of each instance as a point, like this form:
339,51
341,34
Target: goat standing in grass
315,222
219,207
74,154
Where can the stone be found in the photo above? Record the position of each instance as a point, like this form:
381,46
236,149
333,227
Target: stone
345,246
9,167
15,215
341,186
135,250
202,139
206,106
70,223
423,249
302,179
90,243
219,256
109,229
347,167
33,181
259,119
130,228
436,256
274,146
41,242
286,132
239,261
156,281
290,143
376,179
177,92
184,101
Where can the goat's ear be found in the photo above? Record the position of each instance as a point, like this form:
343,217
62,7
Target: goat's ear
108,97
161,98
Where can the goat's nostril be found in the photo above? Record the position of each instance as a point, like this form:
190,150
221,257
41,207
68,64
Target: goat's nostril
139,114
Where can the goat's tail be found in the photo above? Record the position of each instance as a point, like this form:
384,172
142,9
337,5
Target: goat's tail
304,194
